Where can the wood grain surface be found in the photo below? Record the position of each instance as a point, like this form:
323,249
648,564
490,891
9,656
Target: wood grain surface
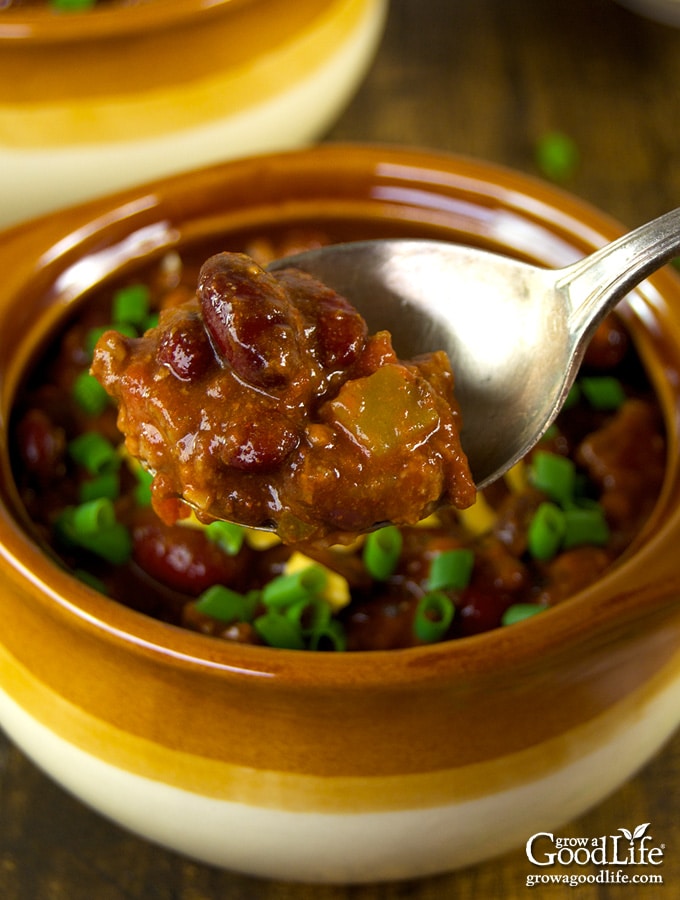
486,78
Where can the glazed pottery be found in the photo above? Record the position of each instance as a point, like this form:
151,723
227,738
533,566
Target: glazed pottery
334,767
99,100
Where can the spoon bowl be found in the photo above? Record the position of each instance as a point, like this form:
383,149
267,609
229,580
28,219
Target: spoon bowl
515,333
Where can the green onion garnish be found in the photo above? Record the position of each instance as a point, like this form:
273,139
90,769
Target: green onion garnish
105,485
520,611
89,394
131,306
585,526
142,490
603,392
222,603
433,616
91,580
150,322
573,396
94,334
553,474
228,536
557,156
91,527
72,5
310,613
551,432
113,544
293,587
451,570
93,516
277,630
92,451
330,636
546,531
381,552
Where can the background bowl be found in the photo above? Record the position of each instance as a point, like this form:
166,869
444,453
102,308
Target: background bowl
95,101
334,767
666,11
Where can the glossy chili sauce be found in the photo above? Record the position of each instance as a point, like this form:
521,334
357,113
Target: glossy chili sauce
265,401
609,442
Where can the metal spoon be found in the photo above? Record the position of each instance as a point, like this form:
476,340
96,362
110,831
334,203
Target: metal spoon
515,333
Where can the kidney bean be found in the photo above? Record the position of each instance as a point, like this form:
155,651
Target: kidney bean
420,546
259,445
184,558
480,609
384,622
249,319
41,445
340,331
184,347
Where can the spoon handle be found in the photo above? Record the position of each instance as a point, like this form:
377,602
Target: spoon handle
595,284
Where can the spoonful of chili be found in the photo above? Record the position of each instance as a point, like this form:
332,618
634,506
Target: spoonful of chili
273,398
515,333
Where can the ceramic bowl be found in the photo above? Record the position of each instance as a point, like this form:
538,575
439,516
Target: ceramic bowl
335,767
665,11
99,100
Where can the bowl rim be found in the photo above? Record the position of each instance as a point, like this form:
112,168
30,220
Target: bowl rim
44,25
549,637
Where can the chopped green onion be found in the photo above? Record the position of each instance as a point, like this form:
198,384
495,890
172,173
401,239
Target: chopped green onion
381,552
113,544
109,539
557,156
553,474
451,570
150,322
222,603
93,516
585,526
227,535
520,611
91,580
573,396
552,432
331,635
92,338
310,613
546,531
433,616
131,305
105,485
293,587
142,490
89,394
92,451
603,392
94,334
277,630
72,5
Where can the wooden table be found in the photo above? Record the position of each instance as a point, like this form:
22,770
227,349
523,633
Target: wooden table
486,78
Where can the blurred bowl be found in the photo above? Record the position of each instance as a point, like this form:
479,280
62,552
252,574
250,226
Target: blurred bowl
334,767
665,11
99,100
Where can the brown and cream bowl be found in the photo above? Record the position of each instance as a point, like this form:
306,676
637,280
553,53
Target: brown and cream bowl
96,97
331,766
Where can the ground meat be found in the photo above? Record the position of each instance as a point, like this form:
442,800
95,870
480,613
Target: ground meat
265,401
